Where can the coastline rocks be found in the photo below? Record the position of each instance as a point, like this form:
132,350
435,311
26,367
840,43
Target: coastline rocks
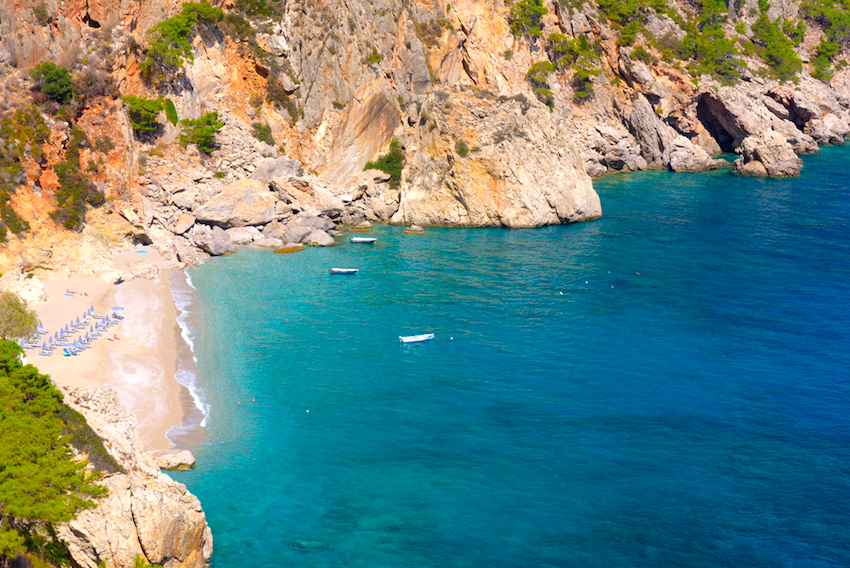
768,154
243,202
265,170
213,240
296,234
146,513
289,248
173,460
243,235
183,223
319,238
414,229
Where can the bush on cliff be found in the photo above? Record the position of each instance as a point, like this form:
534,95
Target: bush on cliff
201,131
142,112
171,39
17,321
76,190
41,484
778,48
525,18
834,17
709,48
22,135
391,163
53,82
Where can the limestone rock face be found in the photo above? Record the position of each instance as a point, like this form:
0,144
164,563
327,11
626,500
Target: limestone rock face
175,460
243,202
768,154
319,238
146,513
213,240
518,170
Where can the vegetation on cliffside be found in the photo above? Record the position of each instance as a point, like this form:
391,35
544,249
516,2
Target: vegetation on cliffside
41,483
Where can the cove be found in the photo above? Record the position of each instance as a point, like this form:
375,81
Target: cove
666,386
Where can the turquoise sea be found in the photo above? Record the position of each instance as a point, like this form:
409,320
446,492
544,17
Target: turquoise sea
668,386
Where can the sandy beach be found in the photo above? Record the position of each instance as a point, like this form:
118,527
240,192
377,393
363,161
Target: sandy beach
138,357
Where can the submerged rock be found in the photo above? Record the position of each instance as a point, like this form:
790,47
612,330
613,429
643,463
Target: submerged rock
289,248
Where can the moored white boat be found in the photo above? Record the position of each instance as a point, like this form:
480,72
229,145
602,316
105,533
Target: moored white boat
366,240
344,270
415,338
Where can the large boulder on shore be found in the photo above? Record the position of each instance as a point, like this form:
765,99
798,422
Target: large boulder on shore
213,240
243,202
768,153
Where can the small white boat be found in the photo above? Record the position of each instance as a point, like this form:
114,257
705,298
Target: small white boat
366,240
344,270
415,338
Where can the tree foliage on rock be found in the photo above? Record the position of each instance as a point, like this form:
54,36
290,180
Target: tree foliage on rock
201,131
17,321
391,163
76,189
778,48
171,39
525,18
53,81
40,482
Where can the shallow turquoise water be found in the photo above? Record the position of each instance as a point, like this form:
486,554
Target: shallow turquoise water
666,386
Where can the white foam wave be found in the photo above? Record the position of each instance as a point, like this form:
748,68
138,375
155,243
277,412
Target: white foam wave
189,377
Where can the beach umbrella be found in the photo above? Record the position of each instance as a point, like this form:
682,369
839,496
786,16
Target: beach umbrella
44,346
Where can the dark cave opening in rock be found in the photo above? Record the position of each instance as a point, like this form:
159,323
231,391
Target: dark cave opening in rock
94,24
708,117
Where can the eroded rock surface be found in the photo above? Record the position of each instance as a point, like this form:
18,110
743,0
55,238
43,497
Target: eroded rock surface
146,514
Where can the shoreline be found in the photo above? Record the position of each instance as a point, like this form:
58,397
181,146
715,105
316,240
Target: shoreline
140,357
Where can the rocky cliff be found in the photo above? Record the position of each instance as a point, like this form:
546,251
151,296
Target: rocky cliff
146,514
491,135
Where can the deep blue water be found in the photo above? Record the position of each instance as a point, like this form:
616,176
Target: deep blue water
666,386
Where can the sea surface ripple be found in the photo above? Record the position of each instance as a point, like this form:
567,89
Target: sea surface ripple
666,386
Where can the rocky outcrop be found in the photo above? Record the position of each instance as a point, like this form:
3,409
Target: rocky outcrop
146,514
243,202
481,161
768,154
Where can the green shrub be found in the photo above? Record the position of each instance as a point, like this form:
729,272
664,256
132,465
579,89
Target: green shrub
201,131
41,482
170,112
104,144
42,18
641,54
143,112
338,105
53,81
834,17
260,8
374,58
171,39
76,190
237,27
263,133
391,163
706,43
277,95
778,48
508,54
461,149
525,18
